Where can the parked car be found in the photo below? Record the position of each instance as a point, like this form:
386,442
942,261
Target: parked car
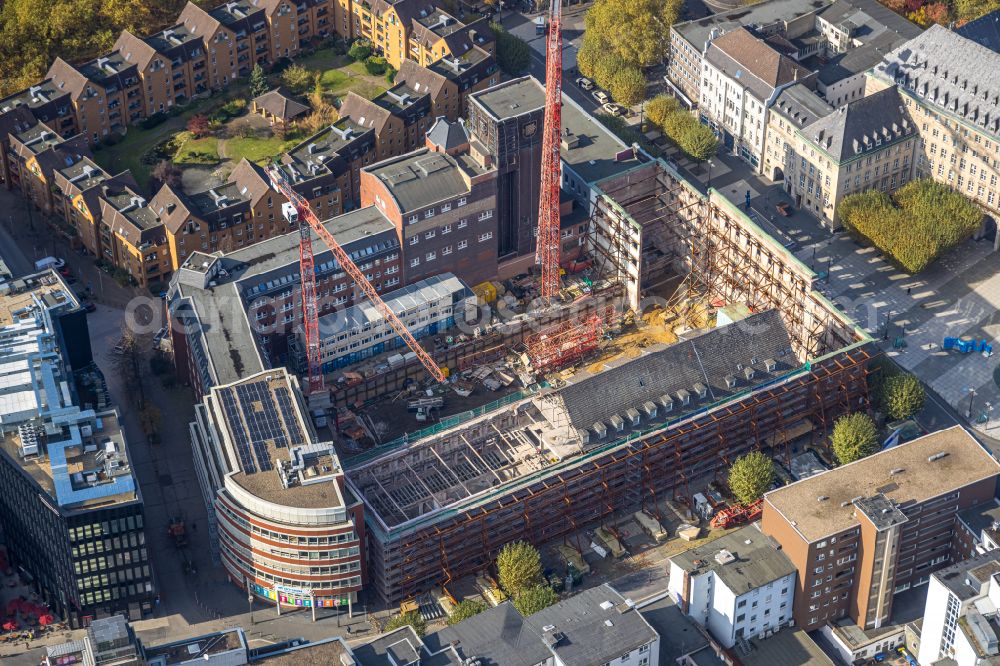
783,208
89,307
613,109
585,83
601,96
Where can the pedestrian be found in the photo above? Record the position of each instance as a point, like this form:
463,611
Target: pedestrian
908,290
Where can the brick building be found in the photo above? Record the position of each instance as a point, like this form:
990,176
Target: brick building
442,201
863,532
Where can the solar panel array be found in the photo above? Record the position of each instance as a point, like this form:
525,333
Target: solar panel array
288,414
254,420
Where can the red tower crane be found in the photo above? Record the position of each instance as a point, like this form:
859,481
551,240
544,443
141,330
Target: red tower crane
307,264
547,244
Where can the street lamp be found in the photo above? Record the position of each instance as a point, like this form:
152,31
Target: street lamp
885,334
249,598
710,165
972,399
989,415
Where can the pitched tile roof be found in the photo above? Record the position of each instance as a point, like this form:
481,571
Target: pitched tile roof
757,58
862,125
280,104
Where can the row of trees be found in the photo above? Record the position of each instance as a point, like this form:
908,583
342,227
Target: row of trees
696,140
919,223
622,37
512,53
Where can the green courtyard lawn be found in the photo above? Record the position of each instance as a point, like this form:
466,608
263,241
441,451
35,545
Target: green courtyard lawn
257,149
340,75
197,151
141,149
134,151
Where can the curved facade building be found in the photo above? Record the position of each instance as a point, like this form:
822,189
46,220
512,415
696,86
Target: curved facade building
281,519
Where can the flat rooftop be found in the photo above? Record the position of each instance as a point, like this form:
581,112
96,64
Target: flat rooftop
80,472
916,479
764,13
21,298
789,647
38,138
421,178
983,517
192,649
105,66
756,560
310,157
328,652
34,97
589,148
84,174
270,445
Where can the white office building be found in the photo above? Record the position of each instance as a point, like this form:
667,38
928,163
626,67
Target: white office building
960,615
738,587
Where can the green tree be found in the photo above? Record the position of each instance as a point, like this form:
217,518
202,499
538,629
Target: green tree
902,396
519,566
411,618
513,54
298,78
660,108
854,437
750,476
360,50
916,225
637,31
628,86
376,65
698,141
534,599
258,82
465,609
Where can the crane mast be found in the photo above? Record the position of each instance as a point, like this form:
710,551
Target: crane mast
547,244
308,221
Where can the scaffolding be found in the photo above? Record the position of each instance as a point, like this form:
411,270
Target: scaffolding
563,344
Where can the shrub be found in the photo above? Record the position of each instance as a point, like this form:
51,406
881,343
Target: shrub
297,78
153,120
915,226
199,126
376,65
466,609
360,50
535,599
411,618
854,437
513,54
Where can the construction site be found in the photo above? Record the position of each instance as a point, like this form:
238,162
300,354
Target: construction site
623,410
586,397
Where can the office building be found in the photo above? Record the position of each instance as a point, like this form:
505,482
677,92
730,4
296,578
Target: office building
281,521
71,511
863,532
947,86
737,587
443,207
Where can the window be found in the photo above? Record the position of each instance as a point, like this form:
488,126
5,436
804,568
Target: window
429,213
431,256
411,219
461,202
463,223
462,244
429,234
414,240
446,229
485,237
414,262
446,250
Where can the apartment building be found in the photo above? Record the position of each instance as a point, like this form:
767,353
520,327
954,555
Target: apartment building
863,532
436,34
243,211
78,191
738,587
104,94
791,19
388,25
132,236
960,622
443,205
156,74
450,80
15,120
46,104
37,152
871,143
947,86
399,117
326,167
72,512
741,77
